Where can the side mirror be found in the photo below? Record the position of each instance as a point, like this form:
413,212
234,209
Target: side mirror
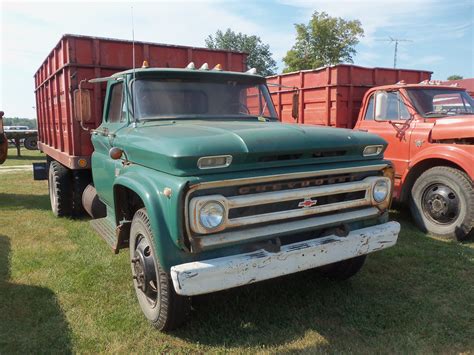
380,105
82,105
295,108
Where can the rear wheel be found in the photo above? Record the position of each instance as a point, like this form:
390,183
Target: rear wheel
60,191
160,304
31,143
442,203
343,270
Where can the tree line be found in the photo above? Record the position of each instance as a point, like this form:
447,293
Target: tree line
325,40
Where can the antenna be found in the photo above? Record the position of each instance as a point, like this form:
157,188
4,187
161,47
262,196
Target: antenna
133,43
394,40
133,61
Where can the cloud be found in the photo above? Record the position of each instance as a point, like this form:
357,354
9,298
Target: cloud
29,30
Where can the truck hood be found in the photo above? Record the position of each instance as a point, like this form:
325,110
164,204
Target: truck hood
175,147
457,127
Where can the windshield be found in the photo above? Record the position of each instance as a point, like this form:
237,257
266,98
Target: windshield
436,103
182,98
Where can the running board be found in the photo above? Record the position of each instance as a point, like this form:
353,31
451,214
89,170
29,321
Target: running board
106,230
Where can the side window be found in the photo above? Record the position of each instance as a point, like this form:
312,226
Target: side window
369,114
390,106
114,113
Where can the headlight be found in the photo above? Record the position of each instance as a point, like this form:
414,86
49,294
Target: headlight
211,215
380,190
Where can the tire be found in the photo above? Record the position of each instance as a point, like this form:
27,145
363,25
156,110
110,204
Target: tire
60,189
80,180
31,143
442,203
160,304
343,270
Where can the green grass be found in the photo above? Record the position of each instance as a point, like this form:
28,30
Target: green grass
27,157
63,290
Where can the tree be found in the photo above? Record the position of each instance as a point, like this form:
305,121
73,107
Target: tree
455,77
259,57
325,40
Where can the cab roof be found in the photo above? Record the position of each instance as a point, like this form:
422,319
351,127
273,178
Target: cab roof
421,85
184,72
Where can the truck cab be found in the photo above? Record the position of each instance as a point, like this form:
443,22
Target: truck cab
430,133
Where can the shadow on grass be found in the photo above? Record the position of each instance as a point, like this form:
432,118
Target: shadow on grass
23,201
31,318
415,296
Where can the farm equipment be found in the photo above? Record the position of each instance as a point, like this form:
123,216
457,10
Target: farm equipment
22,135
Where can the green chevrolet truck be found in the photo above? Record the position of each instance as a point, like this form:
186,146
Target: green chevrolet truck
191,171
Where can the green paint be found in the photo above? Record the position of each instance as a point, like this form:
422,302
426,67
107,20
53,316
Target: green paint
164,153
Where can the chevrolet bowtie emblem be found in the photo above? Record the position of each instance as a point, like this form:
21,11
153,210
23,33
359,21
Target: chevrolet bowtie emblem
307,202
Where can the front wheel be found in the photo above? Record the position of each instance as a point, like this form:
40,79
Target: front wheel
442,203
160,304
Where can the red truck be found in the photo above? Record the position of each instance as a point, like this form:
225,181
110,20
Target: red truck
429,128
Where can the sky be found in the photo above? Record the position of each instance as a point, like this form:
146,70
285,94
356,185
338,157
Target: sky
441,32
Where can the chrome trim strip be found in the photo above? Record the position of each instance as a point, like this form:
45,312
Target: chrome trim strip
280,229
279,177
296,194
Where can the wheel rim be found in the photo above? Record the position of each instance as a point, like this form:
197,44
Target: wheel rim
144,271
440,204
52,190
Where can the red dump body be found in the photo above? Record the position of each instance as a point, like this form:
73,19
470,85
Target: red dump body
76,58
332,96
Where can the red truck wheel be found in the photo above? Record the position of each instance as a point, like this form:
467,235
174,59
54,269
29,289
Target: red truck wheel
442,203
60,189
160,304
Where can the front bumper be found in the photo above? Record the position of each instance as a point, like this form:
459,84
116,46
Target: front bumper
212,275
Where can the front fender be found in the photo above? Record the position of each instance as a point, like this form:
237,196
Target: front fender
165,213
460,155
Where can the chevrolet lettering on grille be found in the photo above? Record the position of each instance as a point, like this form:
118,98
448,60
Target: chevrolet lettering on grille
307,202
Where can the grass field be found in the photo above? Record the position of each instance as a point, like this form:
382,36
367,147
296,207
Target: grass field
27,157
62,290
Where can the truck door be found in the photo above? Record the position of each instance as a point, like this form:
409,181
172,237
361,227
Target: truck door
115,118
387,115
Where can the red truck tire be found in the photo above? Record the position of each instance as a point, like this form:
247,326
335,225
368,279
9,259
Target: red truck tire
442,203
